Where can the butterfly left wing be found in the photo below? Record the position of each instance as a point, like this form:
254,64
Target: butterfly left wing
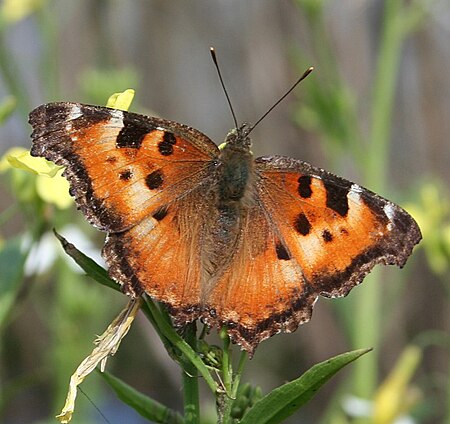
308,233
162,254
137,178
122,166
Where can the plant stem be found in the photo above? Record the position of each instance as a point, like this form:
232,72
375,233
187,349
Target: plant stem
49,31
172,336
238,375
383,95
367,327
224,399
190,382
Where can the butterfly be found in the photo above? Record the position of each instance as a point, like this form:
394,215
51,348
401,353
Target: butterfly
212,233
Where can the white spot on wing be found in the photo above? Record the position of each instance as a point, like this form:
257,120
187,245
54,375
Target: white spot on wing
116,118
389,211
355,193
75,112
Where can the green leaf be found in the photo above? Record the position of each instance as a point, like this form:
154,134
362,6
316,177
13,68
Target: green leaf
92,268
283,401
144,405
162,326
165,329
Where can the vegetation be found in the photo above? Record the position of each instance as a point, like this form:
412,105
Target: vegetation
50,311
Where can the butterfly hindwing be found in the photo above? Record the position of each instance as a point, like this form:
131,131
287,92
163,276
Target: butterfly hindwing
162,255
263,292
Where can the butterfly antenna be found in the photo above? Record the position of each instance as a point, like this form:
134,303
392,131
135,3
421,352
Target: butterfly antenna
214,58
305,74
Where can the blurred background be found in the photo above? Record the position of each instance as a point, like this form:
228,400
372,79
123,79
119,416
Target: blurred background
376,110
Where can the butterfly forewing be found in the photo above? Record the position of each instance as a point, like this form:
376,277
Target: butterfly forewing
336,230
122,166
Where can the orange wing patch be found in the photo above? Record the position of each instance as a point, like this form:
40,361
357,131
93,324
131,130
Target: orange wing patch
161,255
259,294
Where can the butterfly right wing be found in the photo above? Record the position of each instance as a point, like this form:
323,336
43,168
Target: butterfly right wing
306,233
337,230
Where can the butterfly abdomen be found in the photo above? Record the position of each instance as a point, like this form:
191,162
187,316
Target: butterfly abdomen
231,198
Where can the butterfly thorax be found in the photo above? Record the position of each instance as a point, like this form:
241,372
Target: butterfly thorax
236,165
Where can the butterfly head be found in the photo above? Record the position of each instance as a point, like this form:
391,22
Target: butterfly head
238,139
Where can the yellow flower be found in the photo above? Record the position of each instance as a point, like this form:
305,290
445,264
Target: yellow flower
13,11
20,158
54,190
122,100
395,395
51,186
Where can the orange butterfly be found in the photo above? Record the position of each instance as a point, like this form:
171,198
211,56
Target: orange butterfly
244,243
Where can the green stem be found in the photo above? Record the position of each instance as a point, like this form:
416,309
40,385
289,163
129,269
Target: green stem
190,382
189,354
383,95
226,364
231,383
238,375
11,76
368,303
49,31
224,399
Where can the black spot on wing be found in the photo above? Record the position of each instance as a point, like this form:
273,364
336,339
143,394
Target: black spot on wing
302,225
327,236
154,180
304,186
337,191
165,146
125,175
133,132
160,213
282,252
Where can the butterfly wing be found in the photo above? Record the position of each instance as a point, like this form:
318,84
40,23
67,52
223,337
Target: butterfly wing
162,254
309,233
336,229
137,178
261,293
122,166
